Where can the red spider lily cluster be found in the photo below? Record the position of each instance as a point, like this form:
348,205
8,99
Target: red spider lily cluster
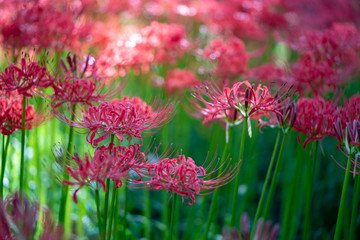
179,79
182,176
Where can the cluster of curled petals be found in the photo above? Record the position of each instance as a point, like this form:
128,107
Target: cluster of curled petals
179,79
285,118
118,163
17,218
242,100
230,55
11,105
157,43
38,23
315,118
24,78
182,176
120,117
349,142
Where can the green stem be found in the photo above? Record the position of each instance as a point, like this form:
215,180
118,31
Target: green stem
3,163
309,188
267,178
217,191
112,204
98,213
116,212
22,158
354,207
343,200
126,193
173,213
165,196
274,178
237,182
106,205
292,192
147,214
65,188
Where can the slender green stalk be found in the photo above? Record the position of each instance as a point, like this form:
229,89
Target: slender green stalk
106,205
292,191
3,163
237,182
267,178
116,211
22,158
274,178
217,191
309,188
112,207
98,213
173,213
147,214
343,200
354,207
126,203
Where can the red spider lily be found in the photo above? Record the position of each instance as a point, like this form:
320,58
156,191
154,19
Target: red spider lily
157,43
120,117
315,118
25,78
116,163
80,84
182,176
179,79
349,142
285,118
248,101
230,55
18,218
38,23
11,113
266,231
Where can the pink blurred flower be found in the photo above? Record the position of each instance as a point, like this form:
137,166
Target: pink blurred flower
182,176
18,220
230,56
38,23
179,79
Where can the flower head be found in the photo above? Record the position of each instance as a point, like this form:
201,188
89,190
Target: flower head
182,176
118,163
24,78
315,118
124,117
179,79
11,113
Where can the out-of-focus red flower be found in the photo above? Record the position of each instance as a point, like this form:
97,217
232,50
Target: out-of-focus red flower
182,176
11,105
18,220
38,23
124,117
179,79
230,56
265,231
157,43
24,78
315,118
118,163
